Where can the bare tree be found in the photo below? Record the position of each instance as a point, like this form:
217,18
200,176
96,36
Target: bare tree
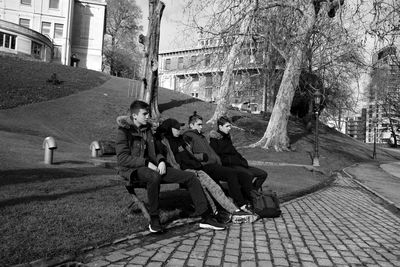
120,46
225,18
151,42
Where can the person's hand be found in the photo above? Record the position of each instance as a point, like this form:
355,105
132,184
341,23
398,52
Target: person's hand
152,166
162,168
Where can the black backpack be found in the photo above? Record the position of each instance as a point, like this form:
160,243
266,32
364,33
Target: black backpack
266,204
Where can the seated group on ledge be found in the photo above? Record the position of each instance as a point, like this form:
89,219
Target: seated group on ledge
168,154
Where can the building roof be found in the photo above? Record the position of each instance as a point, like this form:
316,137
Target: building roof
98,2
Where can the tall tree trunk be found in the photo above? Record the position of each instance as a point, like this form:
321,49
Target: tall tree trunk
149,90
276,134
223,94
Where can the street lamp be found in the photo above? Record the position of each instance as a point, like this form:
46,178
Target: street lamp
317,102
375,132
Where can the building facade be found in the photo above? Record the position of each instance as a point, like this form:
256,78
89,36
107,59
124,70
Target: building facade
72,29
356,126
383,110
198,72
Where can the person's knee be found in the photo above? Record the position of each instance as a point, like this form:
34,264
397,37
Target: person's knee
154,178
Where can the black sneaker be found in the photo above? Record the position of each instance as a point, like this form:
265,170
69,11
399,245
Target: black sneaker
211,223
155,225
223,217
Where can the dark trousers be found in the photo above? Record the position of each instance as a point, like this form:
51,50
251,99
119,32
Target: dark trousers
239,183
153,180
253,172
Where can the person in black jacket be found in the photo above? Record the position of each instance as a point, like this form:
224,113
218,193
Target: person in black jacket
221,142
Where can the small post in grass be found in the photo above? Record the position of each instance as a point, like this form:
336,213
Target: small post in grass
317,102
49,145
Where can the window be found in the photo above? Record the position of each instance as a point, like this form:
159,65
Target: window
53,4
58,30
168,64
26,2
36,49
7,40
180,63
208,92
57,53
24,22
193,60
209,81
46,26
207,59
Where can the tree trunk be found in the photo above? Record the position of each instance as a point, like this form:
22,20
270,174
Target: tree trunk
149,90
276,134
223,94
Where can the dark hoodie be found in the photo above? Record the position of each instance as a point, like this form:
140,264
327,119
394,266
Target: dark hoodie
200,147
222,145
135,147
177,151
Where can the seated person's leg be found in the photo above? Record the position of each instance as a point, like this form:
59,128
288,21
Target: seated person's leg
231,177
260,177
257,176
216,191
152,180
193,185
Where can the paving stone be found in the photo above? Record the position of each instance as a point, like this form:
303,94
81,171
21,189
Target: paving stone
175,262
116,256
247,256
231,258
139,260
195,262
98,263
160,256
248,264
281,262
154,264
213,261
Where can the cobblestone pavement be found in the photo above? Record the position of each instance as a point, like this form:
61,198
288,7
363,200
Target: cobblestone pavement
341,225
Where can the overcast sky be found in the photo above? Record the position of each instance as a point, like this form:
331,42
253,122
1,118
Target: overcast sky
171,24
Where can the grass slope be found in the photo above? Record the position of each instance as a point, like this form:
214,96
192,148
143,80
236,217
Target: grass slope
24,82
58,209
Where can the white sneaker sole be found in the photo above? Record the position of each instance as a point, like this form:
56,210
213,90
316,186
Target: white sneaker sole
153,231
209,226
244,218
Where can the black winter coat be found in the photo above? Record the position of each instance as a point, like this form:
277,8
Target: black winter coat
222,145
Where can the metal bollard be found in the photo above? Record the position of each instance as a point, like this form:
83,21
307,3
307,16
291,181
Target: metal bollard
49,144
95,148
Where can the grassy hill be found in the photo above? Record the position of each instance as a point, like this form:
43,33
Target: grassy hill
58,209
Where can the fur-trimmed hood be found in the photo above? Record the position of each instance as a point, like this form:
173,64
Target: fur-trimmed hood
124,122
127,123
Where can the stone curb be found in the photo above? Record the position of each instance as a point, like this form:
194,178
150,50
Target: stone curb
390,205
70,260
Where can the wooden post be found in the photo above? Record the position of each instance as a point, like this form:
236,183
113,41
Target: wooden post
151,42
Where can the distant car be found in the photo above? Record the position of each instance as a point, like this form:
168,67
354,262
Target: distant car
247,106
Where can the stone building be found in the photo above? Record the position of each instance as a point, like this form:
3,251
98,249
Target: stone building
66,31
198,72
383,109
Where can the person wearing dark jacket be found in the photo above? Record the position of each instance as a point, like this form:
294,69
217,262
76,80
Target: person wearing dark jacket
178,155
239,183
139,159
221,142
